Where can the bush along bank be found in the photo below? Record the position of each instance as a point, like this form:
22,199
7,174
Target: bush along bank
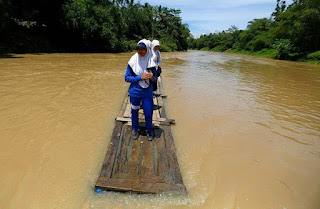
87,26
291,33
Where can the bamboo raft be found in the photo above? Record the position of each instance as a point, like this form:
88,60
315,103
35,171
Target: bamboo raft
141,166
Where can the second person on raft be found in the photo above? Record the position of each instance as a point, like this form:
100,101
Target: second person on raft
141,71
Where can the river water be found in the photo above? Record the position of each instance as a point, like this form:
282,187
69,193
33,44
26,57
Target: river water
247,130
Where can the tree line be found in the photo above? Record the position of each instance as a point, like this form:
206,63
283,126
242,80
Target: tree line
292,32
87,26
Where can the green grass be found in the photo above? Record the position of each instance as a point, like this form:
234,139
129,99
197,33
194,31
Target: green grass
316,62
313,58
268,53
205,49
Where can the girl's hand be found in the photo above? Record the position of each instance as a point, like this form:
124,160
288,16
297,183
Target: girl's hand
151,76
145,76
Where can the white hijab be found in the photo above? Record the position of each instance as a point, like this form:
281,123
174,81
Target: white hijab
140,64
155,54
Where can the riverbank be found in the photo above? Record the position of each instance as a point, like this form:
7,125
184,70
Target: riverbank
312,58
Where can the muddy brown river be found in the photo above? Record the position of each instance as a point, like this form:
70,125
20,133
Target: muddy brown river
247,130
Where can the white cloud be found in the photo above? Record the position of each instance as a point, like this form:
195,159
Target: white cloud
196,35
204,16
221,15
238,3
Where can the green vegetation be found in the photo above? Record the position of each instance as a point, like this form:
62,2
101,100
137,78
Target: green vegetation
87,26
314,56
292,32
268,53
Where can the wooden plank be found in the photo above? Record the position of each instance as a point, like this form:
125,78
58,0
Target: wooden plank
158,107
161,164
155,157
139,187
167,122
159,86
114,167
134,157
124,104
161,106
155,188
141,178
124,185
174,171
111,153
134,172
146,168
123,159
156,114
155,124
160,95
162,121
161,159
127,111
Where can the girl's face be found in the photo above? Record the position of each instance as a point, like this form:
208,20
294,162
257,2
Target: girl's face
141,51
156,48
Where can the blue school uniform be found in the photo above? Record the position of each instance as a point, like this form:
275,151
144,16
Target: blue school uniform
140,95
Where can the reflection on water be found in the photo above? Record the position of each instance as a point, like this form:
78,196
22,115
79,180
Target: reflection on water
247,132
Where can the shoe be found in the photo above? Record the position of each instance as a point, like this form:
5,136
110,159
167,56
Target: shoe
149,136
135,134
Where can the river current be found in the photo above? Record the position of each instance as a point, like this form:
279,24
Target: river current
247,130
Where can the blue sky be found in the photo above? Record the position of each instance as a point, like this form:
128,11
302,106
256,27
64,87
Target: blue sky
205,16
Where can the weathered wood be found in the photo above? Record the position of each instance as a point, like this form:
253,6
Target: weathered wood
160,104
134,158
161,160
167,122
127,111
158,121
111,153
123,159
139,187
140,178
114,167
147,167
160,95
124,105
142,124
156,110
174,171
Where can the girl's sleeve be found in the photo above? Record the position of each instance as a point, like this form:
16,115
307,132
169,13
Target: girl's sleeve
159,60
130,76
154,72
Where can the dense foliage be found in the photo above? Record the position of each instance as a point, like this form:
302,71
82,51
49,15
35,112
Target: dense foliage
87,26
292,31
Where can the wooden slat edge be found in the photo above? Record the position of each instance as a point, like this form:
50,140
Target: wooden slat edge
124,185
174,168
160,121
112,150
124,105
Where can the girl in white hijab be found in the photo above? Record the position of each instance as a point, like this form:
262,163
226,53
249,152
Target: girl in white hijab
156,57
155,45
141,73
139,64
